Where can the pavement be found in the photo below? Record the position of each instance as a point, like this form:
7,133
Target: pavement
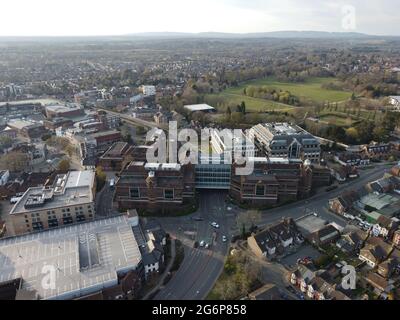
166,272
201,268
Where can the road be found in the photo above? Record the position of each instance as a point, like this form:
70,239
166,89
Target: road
104,200
136,121
319,202
201,268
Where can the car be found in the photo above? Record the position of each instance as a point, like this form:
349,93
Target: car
197,219
331,188
207,246
229,208
215,225
224,239
196,245
202,243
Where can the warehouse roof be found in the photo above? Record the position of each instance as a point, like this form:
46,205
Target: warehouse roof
86,257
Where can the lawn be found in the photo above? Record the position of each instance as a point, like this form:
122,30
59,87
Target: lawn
223,99
311,89
338,120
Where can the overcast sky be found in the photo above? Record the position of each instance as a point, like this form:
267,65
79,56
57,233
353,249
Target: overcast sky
116,17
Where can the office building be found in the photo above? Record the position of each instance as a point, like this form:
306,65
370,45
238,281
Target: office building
286,141
70,199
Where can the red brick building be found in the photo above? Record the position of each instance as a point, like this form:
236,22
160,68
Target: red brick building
114,157
156,187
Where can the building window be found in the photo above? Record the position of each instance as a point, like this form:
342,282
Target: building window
169,193
134,193
260,190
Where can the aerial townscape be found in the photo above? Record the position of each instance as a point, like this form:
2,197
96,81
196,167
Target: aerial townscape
200,166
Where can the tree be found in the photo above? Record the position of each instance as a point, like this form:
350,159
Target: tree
14,161
101,178
5,142
248,219
64,165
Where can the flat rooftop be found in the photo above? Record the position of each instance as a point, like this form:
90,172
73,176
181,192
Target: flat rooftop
87,257
309,224
284,129
379,201
20,124
60,108
70,189
115,150
103,133
199,107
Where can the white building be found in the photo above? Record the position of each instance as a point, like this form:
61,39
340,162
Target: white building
228,144
395,102
285,140
4,176
149,91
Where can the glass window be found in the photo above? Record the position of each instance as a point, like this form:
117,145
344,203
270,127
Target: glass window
134,193
260,190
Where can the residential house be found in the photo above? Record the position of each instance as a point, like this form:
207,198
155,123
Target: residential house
396,238
374,252
325,235
379,283
385,227
274,239
352,240
343,203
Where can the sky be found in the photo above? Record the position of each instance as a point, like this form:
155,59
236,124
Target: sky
119,17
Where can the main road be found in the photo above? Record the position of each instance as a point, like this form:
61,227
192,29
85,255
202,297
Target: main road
201,267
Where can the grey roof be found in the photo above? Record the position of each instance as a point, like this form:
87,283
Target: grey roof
73,188
87,257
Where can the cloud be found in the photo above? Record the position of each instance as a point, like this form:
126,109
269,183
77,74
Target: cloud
109,17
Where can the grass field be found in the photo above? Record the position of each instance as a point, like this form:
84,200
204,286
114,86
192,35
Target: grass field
223,99
311,89
338,120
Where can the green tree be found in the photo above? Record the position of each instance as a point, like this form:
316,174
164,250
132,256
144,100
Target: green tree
101,178
64,165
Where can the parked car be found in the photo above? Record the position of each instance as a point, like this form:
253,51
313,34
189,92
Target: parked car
202,243
224,239
215,225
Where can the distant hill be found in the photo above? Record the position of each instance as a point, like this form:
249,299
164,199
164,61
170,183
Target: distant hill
276,34
202,35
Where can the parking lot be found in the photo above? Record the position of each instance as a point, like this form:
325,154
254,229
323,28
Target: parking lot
303,252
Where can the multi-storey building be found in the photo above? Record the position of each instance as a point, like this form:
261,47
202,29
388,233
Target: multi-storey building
226,144
155,187
274,181
113,158
68,200
286,140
